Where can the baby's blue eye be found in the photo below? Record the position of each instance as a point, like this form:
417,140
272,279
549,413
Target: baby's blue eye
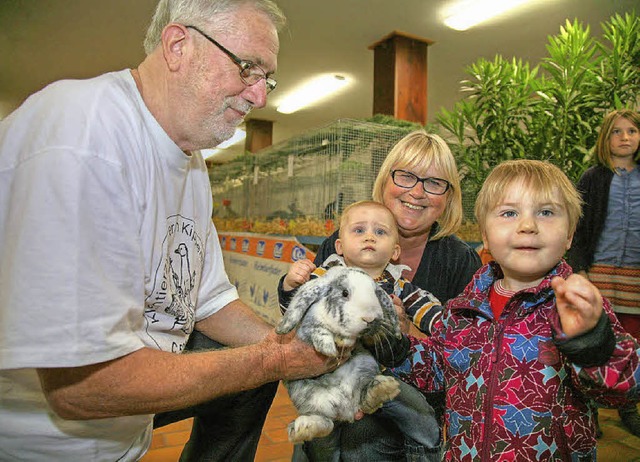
508,214
546,213
381,232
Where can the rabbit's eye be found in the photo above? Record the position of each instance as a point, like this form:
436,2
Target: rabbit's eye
345,293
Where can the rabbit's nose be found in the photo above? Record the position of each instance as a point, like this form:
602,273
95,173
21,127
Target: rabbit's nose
369,319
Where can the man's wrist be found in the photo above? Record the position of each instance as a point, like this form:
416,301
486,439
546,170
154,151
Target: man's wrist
274,364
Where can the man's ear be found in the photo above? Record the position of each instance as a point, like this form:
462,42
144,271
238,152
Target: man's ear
174,43
338,247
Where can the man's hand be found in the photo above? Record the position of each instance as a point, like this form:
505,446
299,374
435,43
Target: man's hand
297,359
298,274
579,304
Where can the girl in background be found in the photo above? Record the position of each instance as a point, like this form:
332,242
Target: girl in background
606,246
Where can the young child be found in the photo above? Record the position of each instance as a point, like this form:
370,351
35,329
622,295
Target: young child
606,246
369,240
521,352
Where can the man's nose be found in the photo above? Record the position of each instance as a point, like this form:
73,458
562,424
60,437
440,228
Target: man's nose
256,94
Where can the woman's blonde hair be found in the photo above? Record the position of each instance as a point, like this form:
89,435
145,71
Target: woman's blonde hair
542,179
603,149
420,150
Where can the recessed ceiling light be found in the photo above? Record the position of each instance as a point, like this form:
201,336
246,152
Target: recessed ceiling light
468,13
311,92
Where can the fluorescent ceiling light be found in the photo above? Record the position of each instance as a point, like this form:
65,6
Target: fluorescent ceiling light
468,13
237,137
311,92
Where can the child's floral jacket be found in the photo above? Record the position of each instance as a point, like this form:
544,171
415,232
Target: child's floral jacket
516,388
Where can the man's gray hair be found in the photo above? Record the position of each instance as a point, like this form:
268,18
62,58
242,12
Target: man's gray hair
200,12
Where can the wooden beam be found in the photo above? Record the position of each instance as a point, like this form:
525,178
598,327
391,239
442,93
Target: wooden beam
259,134
400,76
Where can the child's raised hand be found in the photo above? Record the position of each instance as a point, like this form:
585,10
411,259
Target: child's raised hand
298,274
579,304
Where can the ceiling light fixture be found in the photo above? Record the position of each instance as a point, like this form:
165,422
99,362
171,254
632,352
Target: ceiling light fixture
468,13
237,137
311,92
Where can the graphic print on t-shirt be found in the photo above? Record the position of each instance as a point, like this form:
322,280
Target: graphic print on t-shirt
170,307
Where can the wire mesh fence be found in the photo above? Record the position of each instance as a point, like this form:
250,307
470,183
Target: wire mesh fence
309,178
300,186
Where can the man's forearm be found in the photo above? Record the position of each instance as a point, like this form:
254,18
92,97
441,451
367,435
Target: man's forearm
150,381
234,325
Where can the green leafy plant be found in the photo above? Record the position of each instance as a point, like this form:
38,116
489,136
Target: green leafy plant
618,75
551,111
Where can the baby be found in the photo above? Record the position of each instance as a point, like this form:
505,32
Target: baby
369,240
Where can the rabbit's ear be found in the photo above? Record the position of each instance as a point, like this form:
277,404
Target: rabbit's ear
306,296
388,309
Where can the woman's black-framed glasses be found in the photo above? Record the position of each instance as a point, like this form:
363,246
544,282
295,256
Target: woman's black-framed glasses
250,72
408,180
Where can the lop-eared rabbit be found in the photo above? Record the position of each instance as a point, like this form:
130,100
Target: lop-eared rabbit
333,312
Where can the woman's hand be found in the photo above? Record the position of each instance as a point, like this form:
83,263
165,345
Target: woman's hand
579,304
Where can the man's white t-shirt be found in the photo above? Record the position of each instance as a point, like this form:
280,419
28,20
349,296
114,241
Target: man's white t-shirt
106,246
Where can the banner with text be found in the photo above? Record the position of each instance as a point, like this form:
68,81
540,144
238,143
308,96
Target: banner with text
256,262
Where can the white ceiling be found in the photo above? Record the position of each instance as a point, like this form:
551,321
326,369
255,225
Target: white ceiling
45,40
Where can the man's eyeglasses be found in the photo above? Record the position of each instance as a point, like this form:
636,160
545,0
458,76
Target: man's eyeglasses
250,72
408,180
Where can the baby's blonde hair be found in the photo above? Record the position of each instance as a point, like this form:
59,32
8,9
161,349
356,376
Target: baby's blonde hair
370,204
543,179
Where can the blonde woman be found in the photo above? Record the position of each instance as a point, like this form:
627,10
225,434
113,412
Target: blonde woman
418,181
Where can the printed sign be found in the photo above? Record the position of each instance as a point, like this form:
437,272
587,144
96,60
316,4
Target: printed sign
256,266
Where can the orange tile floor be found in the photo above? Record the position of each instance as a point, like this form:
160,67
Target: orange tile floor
617,445
274,446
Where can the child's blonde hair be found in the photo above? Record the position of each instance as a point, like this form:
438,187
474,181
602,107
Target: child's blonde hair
370,204
421,150
543,179
603,148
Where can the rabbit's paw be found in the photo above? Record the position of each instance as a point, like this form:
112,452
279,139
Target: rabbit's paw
380,390
308,427
325,345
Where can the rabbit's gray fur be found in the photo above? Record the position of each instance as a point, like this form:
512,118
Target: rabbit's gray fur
333,312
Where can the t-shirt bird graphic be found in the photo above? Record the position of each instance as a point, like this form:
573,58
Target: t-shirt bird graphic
183,280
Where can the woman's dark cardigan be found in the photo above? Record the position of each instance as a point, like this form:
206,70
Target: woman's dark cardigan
594,187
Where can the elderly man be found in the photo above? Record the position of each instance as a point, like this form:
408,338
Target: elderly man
108,257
